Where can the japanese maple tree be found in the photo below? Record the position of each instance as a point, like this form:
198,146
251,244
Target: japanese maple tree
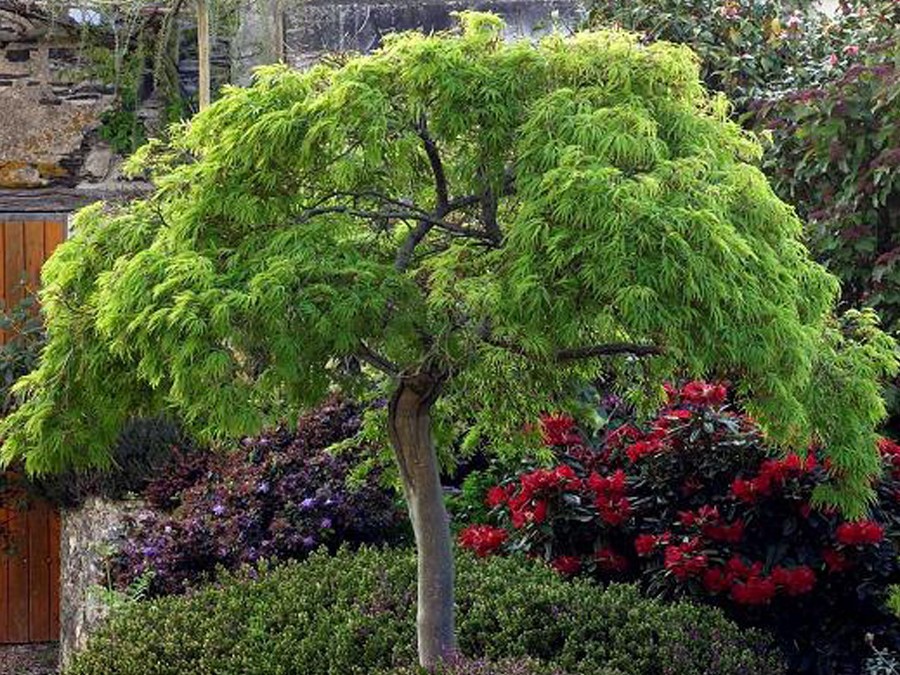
472,223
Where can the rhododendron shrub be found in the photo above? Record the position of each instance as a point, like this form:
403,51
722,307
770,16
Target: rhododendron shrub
695,503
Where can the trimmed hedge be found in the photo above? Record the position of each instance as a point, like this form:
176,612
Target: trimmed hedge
355,613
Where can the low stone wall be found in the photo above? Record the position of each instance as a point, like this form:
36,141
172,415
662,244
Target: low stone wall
88,535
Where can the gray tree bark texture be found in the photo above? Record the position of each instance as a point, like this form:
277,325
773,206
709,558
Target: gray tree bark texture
411,436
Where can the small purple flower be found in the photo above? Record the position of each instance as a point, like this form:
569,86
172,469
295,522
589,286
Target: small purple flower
326,523
307,503
308,541
218,510
263,488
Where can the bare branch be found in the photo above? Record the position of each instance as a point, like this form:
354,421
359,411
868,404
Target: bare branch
378,361
577,353
437,167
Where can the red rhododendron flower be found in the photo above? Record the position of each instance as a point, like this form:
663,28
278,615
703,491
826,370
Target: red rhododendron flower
755,590
650,446
750,490
567,565
729,534
611,561
482,539
684,561
646,544
794,580
703,393
539,515
622,436
859,533
671,392
835,561
497,496
716,580
558,429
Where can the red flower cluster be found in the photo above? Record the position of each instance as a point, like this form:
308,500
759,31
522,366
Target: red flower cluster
622,436
652,445
646,544
685,560
558,429
772,473
529,504
703,393
835,561
794,580
482,539
610,560
890,452
566,565
859,533
747,585
497,496
609,497
709,522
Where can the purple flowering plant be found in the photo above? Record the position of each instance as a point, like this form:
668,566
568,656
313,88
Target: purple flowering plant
278,497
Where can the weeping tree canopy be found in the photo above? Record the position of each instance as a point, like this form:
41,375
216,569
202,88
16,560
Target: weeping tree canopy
513,216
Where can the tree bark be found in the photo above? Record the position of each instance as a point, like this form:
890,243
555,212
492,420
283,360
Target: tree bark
409,425
203,49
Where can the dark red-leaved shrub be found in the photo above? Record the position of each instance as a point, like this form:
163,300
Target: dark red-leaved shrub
696,504
278,496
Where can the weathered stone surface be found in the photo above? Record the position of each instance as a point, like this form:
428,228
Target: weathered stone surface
88,534
318,26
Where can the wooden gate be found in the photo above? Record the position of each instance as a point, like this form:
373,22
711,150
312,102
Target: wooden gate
29,574
29,555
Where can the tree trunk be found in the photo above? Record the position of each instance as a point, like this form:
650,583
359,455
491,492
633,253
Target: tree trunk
409,425
203,48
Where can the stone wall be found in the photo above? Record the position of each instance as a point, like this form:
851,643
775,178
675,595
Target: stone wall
88,535
314,27
47,112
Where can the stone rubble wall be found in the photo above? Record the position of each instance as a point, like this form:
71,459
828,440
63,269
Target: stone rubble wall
46,110
88,535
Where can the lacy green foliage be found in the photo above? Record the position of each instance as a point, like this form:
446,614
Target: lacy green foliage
355,614
456,204
20,352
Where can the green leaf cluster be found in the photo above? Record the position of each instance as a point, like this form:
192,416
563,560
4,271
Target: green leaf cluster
462,205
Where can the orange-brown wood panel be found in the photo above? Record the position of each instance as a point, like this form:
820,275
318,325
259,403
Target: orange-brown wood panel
54,528
18,579
38,573
14,260
54,235
3,274
35,253
4,581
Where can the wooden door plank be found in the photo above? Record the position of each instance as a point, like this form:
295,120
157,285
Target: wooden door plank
34,252
14,260
54,235
3,274
18,578
38,573
54,528
4,582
